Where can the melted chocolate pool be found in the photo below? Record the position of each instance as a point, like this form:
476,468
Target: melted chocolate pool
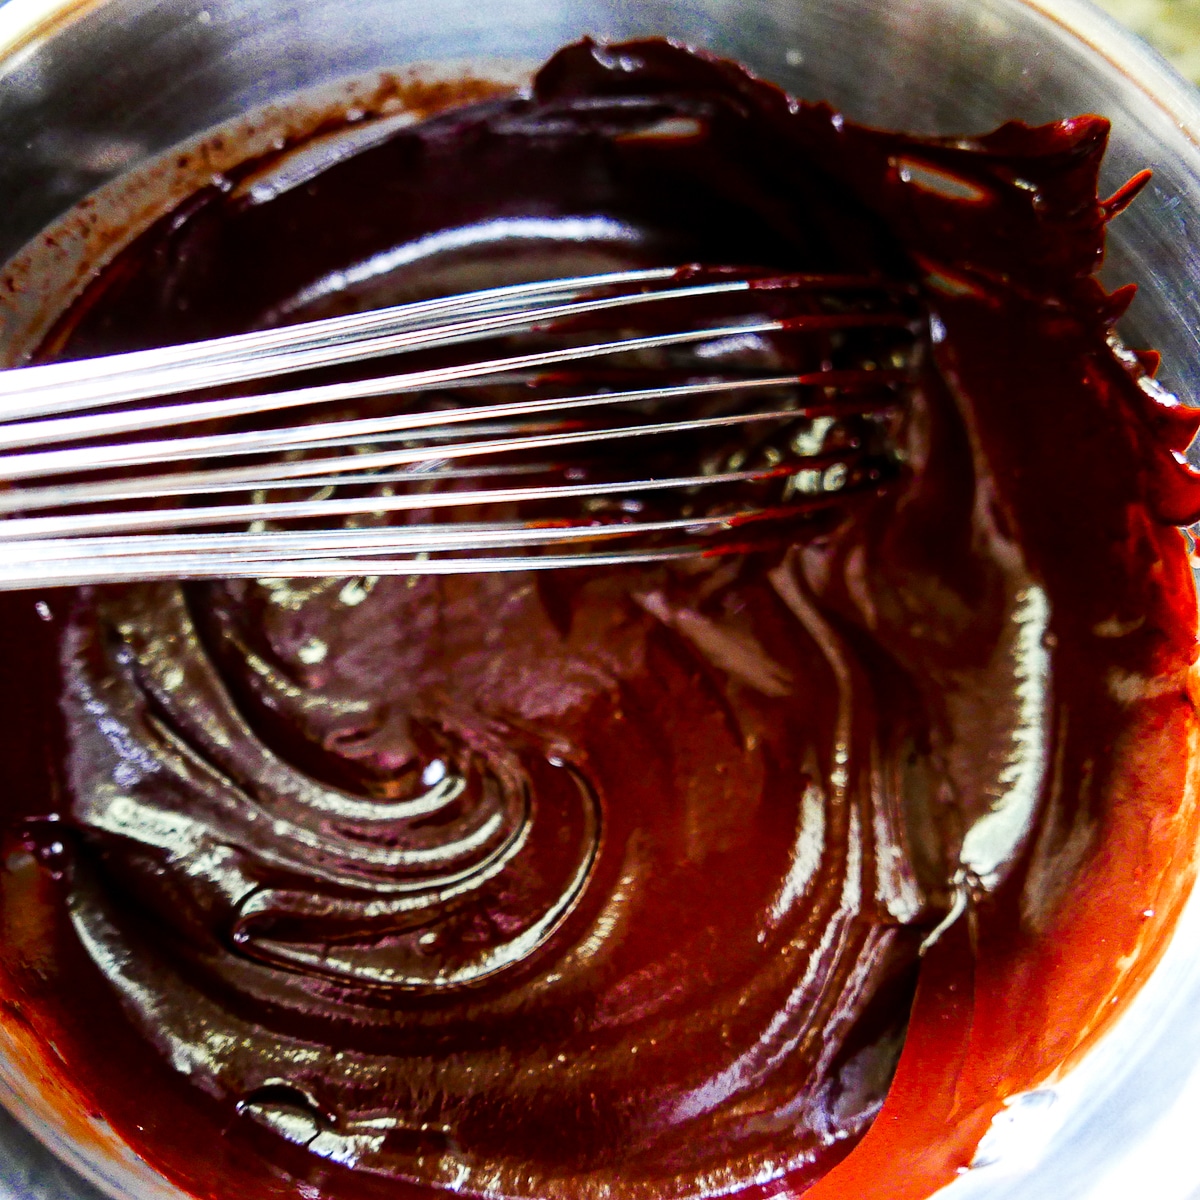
615,882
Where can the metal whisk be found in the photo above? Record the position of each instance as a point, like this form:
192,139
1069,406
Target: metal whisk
750,402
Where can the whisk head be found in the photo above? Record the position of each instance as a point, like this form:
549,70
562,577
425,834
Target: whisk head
630,417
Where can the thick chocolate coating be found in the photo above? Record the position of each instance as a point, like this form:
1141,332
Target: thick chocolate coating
613,882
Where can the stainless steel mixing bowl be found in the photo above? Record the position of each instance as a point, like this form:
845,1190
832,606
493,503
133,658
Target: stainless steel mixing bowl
91,88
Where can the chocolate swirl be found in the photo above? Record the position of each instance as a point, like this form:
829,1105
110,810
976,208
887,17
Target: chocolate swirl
467,839
498,828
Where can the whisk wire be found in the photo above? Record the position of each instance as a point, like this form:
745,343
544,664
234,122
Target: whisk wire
116,379
63,422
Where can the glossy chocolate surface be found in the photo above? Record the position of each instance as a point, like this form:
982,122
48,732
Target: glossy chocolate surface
613,882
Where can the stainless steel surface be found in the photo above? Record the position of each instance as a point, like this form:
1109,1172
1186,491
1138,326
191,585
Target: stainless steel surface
112,83
29,1171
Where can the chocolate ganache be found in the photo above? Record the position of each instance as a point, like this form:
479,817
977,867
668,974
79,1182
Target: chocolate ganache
621,882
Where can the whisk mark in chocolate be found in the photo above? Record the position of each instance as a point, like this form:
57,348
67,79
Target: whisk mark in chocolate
614,882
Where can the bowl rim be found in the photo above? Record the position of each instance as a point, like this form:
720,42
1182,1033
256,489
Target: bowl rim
27,24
